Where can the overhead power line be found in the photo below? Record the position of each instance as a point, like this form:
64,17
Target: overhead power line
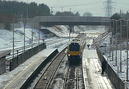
109,8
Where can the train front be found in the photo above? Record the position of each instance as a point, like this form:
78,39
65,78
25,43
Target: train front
74,54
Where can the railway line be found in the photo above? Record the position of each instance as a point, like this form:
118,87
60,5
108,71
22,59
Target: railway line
74,78
44,75
57,73
44,78
48,75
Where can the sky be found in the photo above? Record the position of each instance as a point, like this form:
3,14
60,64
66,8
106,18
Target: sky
96,7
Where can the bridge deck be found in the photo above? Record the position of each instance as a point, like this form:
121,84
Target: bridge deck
70,20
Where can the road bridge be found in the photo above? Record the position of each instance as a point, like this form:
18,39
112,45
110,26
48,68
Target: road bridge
70,20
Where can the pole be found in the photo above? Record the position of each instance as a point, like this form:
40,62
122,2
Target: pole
39,38
32,33
112,39
25,22
116,41
13,31
120,46
13,40
24,34
69,34
127,53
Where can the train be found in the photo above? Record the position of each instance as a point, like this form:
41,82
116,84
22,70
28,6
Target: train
74,53
75,50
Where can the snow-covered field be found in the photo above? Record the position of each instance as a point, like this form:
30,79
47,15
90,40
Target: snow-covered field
6,37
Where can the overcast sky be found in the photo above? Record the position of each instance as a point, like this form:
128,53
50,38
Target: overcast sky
96,7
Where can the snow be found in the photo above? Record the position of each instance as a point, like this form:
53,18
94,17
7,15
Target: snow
26,66
5,78
92,70
115,54
6,43
60,76
6,37
60,31
52,43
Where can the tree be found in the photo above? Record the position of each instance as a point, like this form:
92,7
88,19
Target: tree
23,9
116,16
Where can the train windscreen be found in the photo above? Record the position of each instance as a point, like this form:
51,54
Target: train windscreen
74,47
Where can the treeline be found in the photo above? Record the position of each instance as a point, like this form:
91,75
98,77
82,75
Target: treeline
21,9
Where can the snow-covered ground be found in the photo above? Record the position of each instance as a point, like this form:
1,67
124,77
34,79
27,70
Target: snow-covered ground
92,68
60,31
116,58
52,43
6,37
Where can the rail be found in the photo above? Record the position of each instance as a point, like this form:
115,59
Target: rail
47,70
74,78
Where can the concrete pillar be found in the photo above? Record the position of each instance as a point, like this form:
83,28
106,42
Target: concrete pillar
71,28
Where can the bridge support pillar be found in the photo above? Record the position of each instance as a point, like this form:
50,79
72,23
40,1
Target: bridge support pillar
71,28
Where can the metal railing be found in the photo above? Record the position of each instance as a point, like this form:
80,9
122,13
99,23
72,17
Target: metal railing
21,55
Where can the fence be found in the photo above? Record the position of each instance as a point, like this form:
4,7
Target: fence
114,78
14,62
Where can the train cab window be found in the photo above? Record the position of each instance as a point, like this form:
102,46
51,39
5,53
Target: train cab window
74,47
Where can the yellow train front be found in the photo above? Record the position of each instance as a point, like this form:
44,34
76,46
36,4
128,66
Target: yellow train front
74,53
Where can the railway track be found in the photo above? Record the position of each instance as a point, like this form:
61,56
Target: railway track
74,78
50,72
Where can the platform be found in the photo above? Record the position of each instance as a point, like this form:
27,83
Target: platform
92,71
22,72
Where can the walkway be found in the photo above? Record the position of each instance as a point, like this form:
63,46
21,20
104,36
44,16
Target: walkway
92,71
